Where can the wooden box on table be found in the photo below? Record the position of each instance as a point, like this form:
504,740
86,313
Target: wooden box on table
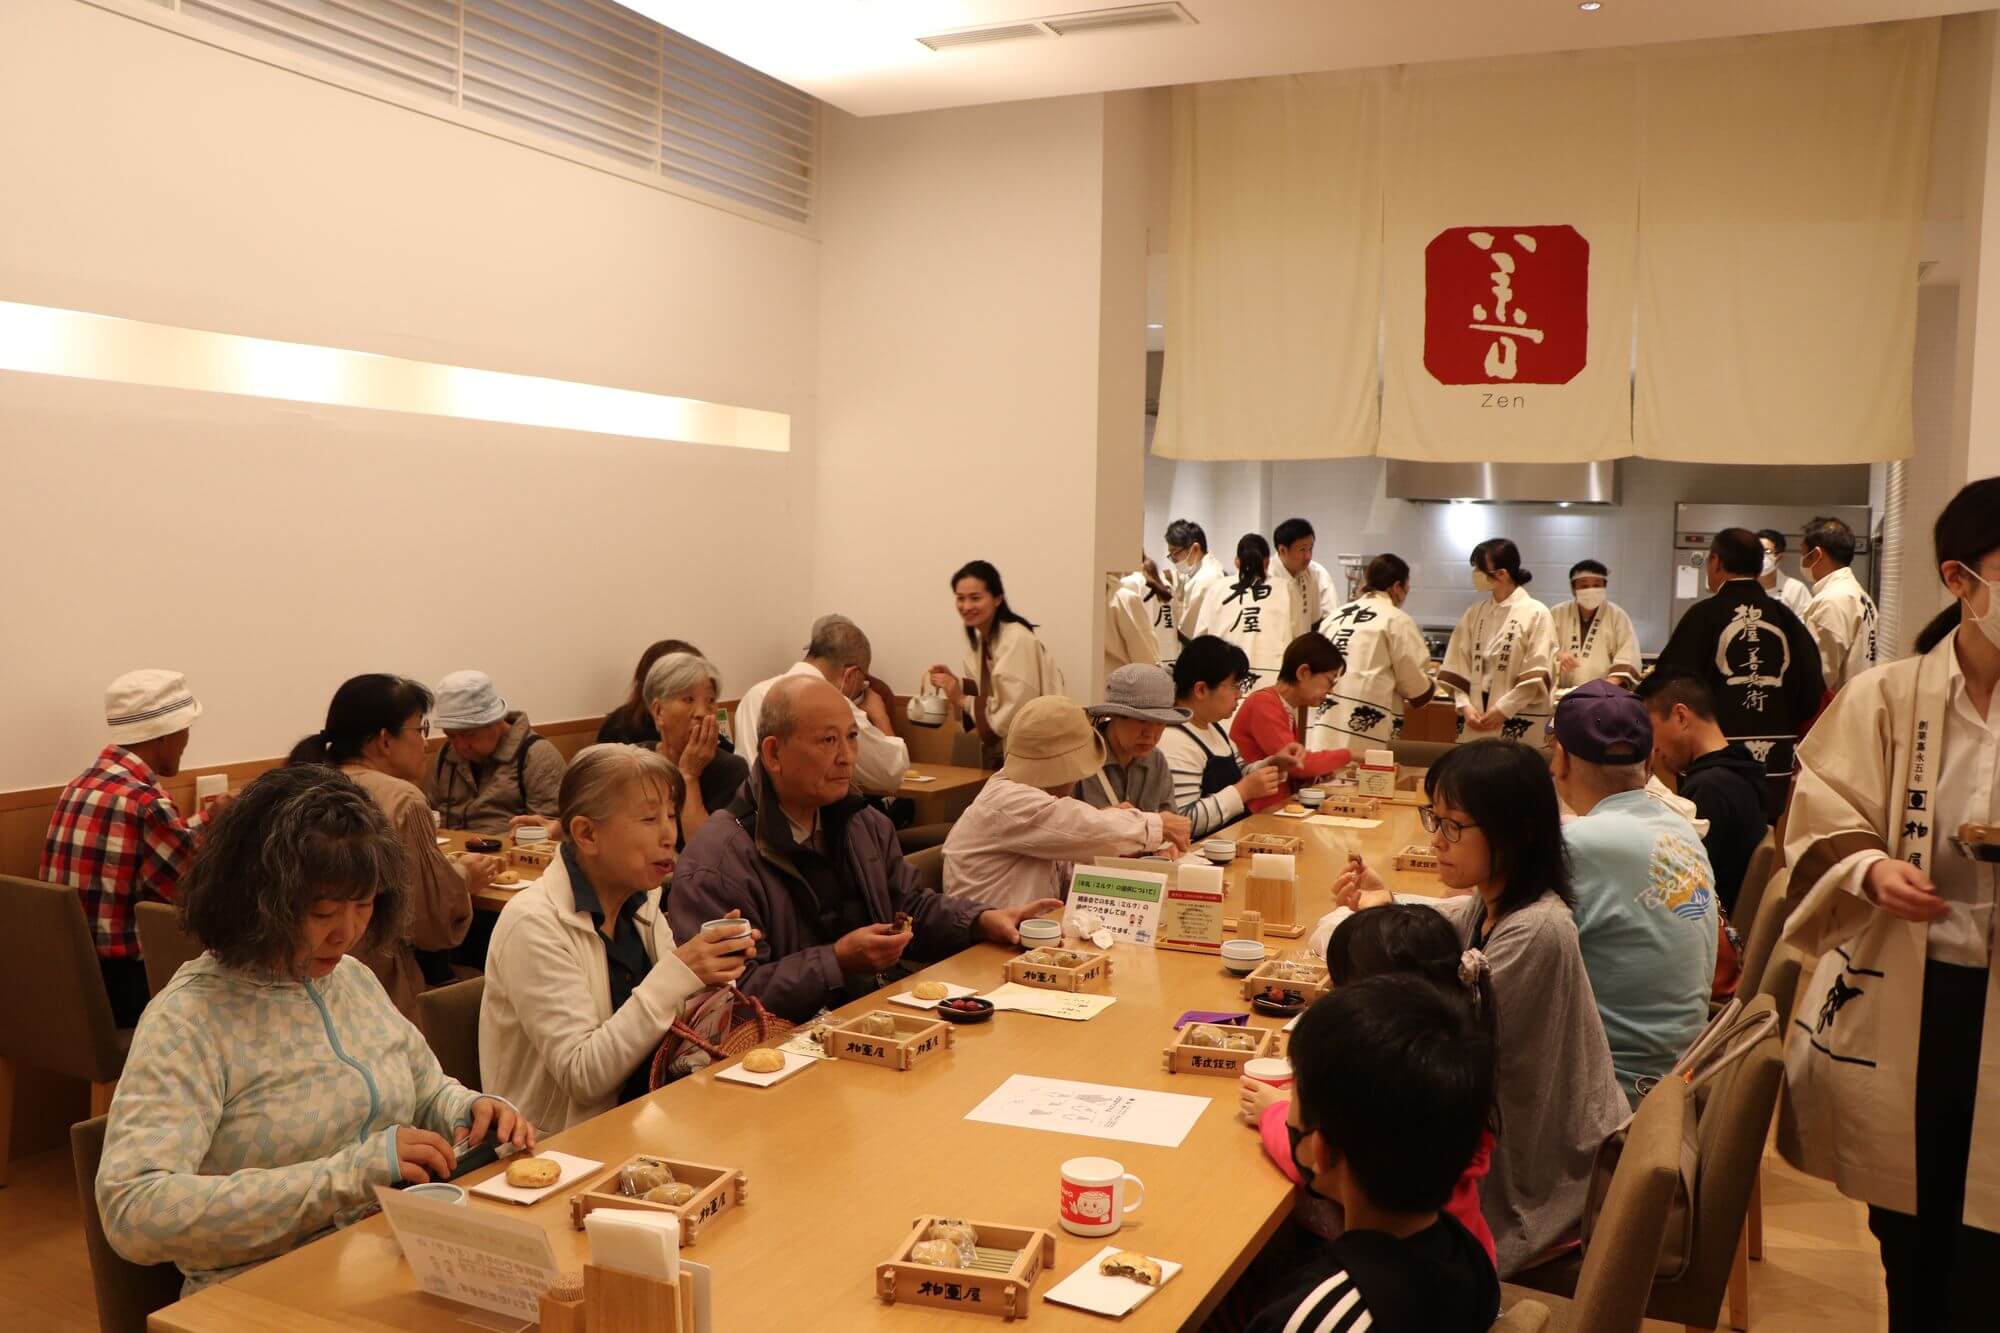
717,1190
1187,1054
915,1038
1000,1282
1056,969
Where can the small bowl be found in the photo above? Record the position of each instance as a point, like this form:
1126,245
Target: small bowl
1219,850
528,835
965,1009
1242,957
437,1191
484,846
1278,1003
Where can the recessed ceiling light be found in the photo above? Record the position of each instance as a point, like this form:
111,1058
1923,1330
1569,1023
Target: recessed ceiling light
1156,326
1591,6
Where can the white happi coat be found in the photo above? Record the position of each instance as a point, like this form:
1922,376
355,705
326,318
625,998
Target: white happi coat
1387,664
1608,647
1503,655
1871,783
1841,617
1193,592
1128,624
1261,618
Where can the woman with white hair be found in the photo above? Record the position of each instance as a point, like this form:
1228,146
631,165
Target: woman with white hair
583,978
680,693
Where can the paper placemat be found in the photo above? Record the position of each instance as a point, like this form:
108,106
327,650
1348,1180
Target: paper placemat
574,1169
1342,821
794,1062
1048,1003
909,997
1088,1289
1093,1110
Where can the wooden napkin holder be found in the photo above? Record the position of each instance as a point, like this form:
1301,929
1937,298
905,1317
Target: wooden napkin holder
1005,1293
619,1302
1314,985
1032,969
916,1038
1182,1058
1417,857
717,1190
1277,900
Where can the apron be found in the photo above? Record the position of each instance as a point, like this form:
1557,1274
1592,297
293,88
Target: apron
1221,770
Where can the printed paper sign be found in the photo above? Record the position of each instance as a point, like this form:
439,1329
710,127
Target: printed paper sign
1191,917
1126,901
472,1255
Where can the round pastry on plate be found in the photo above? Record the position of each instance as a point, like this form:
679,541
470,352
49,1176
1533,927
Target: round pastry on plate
533,1173
1132,1264
764,1060
931,990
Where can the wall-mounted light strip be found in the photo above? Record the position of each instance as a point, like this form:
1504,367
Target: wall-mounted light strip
47,341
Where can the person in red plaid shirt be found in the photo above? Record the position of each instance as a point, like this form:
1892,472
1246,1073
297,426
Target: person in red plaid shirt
115,835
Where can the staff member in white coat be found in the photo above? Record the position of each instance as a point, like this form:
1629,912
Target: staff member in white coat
1894,1064
1841,615
1501,659
1293,540
1258,613
1792,592
1594,637
1005,664
1128,623
1388,664
583,978
1198,576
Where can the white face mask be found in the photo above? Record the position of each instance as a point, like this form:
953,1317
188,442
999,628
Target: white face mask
1770,563
1482,581
1591,598
1188,566
1988,624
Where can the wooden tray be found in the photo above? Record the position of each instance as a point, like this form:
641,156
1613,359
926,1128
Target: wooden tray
1262,979
918,1037
1416,856
1351,805
1279,844
717,1190
1003,1292
538,857
1181,1058
1092,975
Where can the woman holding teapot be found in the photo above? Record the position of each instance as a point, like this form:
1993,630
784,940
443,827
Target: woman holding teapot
1005,664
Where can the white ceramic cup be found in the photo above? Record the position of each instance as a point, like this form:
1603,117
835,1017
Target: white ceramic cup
437,1191
1269,1070
1093,1195
526,835
726,928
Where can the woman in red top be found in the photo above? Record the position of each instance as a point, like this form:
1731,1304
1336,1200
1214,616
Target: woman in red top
1265,726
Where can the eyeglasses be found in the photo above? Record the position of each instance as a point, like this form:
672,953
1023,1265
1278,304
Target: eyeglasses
423,726
1433,821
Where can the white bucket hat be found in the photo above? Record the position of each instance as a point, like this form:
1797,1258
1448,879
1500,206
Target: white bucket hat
1051,744
146,705
466,701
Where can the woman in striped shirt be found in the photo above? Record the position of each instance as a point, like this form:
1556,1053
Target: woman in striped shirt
1212,784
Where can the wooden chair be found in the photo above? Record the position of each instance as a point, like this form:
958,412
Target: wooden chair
164,943
929,865
1609,1286
1756,878
48,969
1781,983
1762,943
448,1016
126,1292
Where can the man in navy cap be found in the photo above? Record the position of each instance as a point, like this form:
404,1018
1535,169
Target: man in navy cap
1645,894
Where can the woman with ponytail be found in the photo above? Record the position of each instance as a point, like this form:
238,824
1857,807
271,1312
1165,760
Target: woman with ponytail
1893,850
375,733
1396,938
1257,613
1500,663
1006,663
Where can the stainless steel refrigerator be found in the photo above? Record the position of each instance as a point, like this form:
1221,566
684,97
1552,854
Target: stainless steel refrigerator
1696,525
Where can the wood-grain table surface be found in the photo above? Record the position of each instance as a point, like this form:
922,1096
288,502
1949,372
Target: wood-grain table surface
840,1157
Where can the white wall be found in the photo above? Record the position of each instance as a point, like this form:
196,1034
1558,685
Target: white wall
963,336
271,550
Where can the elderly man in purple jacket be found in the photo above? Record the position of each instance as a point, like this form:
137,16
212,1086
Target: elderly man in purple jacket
817,870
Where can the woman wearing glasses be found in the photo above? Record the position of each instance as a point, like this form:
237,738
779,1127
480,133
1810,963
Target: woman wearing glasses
375,732
1495,826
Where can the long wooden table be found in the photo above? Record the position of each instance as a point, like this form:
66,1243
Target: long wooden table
841,1157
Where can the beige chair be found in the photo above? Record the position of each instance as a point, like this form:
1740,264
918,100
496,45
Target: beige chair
1781,983
1756,878
920,836
164,943
1609,1286
1522,1317
1732,1117
126,1292
449,1019
48,968
929,865
1760,945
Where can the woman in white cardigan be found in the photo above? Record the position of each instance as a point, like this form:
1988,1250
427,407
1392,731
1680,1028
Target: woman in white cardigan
1005,664
583,977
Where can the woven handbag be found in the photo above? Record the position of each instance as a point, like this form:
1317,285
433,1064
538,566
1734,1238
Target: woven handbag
720,1024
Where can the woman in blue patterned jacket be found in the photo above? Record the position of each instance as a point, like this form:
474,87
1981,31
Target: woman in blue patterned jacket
272,1085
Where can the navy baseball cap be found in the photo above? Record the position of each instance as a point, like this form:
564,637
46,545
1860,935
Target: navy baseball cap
1602,723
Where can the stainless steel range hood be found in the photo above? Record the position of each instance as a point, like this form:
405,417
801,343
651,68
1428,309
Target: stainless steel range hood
1508,483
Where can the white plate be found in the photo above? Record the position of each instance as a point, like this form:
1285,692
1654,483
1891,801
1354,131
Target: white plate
1288,814
794,1062
910,999
1088,1289
574,1169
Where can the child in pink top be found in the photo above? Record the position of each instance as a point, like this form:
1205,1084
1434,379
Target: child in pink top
1396,938
1264,726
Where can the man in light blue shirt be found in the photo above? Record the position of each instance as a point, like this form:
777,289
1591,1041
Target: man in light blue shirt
1645,894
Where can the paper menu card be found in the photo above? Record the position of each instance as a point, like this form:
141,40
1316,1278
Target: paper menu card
1126,901
1092,1110
1343,821
1088,1289
475,1256
1075,1005
1191,916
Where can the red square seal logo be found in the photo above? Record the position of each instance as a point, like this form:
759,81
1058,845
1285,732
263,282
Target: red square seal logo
1506,305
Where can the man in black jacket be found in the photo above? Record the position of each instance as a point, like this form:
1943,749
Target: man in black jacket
1724,780
1758,659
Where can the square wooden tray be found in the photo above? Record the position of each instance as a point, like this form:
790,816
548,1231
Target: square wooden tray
1269,844
1092,975
1417,856
1005,1293
918,1037
1262,979
1181,1058
717,1190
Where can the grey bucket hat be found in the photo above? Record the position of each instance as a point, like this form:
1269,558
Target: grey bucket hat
1139,690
